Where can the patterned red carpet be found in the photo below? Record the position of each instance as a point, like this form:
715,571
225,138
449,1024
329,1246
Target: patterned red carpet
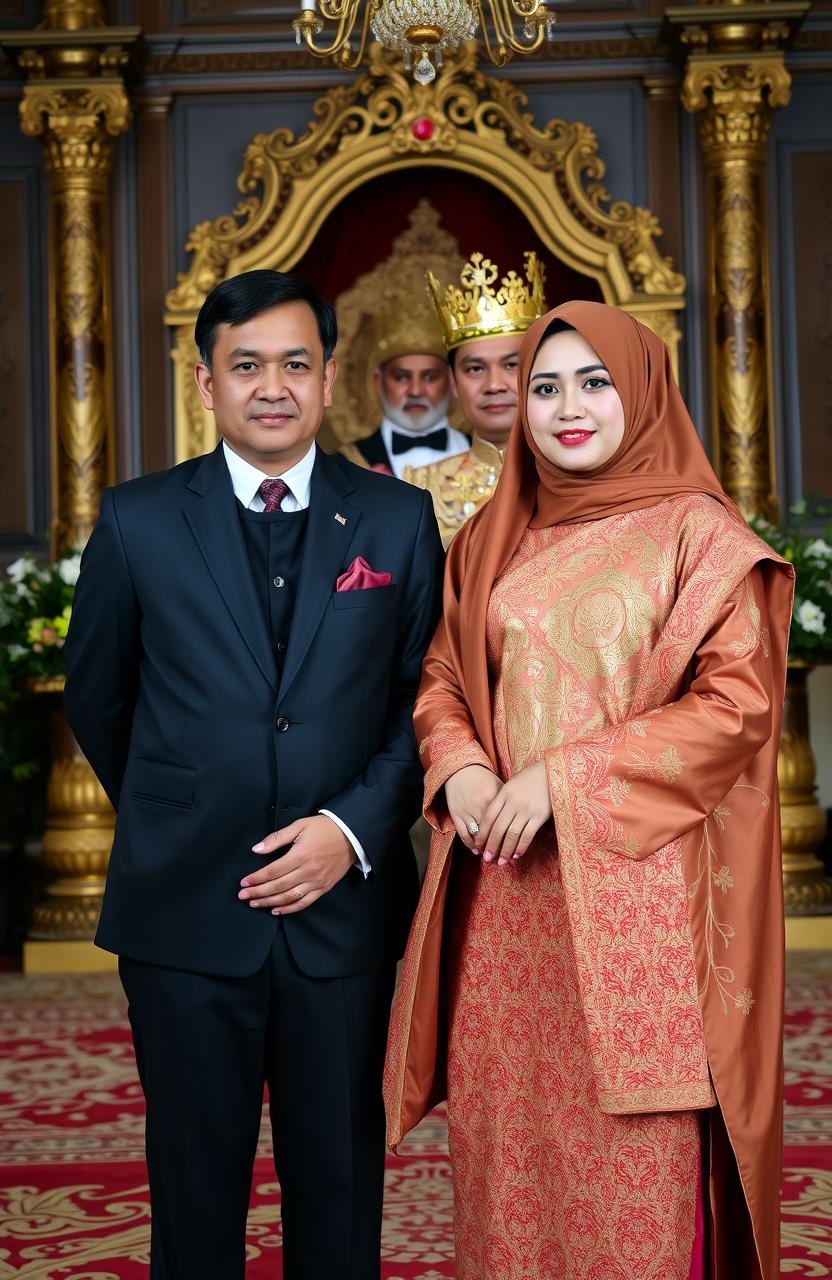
73,1197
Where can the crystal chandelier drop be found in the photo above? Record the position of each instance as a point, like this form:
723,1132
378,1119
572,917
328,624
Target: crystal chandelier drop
423,29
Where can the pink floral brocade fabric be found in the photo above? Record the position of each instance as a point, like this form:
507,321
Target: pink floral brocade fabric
547,1185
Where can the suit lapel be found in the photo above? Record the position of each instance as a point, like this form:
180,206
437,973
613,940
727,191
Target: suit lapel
329,532
216,527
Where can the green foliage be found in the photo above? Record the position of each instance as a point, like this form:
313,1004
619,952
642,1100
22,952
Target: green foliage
810,636
35,608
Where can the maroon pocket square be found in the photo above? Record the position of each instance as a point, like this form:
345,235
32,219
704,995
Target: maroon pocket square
360,576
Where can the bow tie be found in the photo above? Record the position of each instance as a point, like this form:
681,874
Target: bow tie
437,439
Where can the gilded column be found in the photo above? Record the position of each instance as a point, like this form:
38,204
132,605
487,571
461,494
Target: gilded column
75,100
735,76
78,126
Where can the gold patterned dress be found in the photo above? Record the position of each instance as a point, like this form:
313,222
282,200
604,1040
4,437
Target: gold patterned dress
547,1185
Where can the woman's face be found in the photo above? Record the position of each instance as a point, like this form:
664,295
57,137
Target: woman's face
575,413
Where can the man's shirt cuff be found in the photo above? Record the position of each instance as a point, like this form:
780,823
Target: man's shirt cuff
356,844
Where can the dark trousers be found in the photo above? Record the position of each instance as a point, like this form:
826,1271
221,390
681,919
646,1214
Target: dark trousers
204,1048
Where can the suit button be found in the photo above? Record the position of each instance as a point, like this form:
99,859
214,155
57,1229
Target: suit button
281,724
282,646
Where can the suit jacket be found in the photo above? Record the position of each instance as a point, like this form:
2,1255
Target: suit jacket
173,695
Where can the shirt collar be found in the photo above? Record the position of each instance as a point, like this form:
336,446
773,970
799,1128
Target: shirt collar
246,479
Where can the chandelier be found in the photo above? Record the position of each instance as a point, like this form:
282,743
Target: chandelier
423,29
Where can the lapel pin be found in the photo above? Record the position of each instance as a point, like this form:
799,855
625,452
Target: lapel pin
341,519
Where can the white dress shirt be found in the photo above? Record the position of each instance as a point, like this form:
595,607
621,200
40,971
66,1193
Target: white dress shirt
246,481
419,456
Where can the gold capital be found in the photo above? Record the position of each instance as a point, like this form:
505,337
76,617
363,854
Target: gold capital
735,100
77,123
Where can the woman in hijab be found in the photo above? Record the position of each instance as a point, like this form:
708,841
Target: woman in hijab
595,981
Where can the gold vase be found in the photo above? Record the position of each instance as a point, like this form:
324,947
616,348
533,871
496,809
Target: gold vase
806,887
78,836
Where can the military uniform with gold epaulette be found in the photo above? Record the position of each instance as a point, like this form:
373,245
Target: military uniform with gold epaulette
460,485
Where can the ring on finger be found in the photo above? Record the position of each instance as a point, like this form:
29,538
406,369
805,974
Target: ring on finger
473,826
299,895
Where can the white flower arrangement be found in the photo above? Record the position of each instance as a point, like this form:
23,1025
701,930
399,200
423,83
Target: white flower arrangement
811,631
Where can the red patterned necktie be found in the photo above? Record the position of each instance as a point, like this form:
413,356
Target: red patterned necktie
273,492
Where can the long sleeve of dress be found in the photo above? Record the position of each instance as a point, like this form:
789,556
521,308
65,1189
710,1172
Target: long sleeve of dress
641,784
447,738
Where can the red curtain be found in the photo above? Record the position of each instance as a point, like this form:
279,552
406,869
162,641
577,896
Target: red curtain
360,231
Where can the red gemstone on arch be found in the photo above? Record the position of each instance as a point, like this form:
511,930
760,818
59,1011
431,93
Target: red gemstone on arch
422,128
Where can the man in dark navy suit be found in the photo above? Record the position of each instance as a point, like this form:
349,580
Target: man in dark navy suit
245,647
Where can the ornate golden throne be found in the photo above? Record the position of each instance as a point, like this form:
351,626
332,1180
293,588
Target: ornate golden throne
384,124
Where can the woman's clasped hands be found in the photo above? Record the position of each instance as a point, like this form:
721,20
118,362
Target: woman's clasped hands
498,819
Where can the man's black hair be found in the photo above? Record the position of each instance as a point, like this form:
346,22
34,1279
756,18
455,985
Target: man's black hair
243,297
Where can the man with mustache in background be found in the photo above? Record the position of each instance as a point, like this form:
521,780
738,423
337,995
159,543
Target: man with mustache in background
411,379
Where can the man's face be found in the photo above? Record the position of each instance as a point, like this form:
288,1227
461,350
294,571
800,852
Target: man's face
414,390
268,385
484,381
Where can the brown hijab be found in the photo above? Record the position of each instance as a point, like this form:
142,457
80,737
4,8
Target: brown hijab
660,456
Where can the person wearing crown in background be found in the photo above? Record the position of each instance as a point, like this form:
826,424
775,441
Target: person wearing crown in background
411,378
482,327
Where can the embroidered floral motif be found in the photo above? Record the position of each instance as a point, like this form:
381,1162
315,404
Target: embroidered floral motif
716,931
616,791
754,634
668,766
720,814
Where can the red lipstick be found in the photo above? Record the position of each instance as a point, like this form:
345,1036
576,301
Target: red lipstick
572,438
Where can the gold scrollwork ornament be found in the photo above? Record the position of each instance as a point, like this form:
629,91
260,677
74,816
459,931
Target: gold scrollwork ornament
473,122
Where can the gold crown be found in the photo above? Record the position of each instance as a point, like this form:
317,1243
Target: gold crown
478,310
409,330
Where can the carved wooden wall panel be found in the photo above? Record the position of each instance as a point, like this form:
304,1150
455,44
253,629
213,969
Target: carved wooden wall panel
14,391
800,236
812,174
229,15
24,416
19,13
